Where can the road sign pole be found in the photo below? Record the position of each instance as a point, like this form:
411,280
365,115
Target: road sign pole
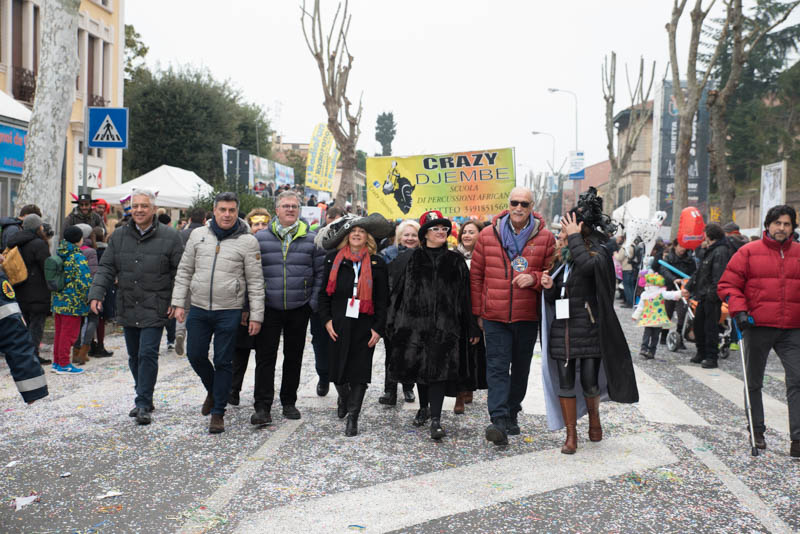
85,188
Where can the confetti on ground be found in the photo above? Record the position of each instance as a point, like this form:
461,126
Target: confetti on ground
21,502
636,481
108,495
12,463
65,475
356,527
114,508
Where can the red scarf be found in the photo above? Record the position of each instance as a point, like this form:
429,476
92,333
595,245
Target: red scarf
364,289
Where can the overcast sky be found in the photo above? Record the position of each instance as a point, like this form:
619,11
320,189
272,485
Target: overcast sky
458,74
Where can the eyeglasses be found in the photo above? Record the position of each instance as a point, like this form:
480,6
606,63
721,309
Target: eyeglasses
289,206
515,203
438,229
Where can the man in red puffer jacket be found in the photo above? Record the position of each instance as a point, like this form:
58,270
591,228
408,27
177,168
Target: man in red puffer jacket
762,281
506,275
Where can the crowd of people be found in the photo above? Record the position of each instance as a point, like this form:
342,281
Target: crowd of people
458,308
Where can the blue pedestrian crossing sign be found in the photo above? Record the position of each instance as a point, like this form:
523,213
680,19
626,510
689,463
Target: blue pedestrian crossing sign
108,128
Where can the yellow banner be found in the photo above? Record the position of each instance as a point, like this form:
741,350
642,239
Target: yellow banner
461,184
322,158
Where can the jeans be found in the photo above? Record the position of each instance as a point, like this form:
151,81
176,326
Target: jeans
509,349
629,286
171,326
293,325
650,340
320,340
88,330
786,342
706,328
35,322
142,345
201,325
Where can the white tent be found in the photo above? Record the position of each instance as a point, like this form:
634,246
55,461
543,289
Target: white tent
175,188
12,109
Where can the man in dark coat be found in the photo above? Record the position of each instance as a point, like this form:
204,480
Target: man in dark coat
144,256
33,294
703,284
83,214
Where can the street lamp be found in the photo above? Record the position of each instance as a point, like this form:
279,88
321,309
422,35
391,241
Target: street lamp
553,137
554,90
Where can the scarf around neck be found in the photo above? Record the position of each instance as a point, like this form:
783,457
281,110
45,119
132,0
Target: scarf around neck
364,289
219,232
513,243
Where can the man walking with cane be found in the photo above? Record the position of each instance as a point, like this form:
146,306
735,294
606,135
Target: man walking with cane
762,283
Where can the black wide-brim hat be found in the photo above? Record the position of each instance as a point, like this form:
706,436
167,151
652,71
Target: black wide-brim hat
84,197
375,224
430,219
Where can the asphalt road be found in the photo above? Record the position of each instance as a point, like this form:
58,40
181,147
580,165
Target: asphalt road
679,461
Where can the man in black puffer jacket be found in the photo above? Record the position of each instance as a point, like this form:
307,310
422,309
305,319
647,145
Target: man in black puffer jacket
33,295
703,285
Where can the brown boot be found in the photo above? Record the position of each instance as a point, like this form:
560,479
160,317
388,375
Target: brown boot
207,405
83,353
568,413
595,429
459,407
467,397
216,425
76,356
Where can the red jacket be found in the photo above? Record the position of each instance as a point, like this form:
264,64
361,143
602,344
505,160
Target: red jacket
763,279
493,296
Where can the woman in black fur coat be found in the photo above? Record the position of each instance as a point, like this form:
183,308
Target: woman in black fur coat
430,320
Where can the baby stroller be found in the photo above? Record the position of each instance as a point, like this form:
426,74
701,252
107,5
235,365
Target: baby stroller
687,333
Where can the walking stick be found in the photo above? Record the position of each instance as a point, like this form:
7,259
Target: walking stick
754,449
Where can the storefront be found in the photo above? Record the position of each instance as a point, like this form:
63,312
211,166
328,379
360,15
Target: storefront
14,118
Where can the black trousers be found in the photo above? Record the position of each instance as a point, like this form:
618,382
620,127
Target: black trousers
292,324
590,372
390,385
35,323
706,328
241,357
759,340
650,339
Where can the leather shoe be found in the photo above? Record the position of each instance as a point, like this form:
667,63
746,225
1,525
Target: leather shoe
323,388
437,432
408,395
290,412
389,398
423,414
261,417
697,359
794,451
761,443
512,426
216,425
496,433
142,416
708,363
207,405
135,410
233,400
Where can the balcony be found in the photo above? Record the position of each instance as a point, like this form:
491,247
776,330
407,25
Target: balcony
24,86
97,101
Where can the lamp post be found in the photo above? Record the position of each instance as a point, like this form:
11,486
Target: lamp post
554,90
553,138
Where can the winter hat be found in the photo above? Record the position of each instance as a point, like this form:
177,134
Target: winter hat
730,227
654,279
430,219
73,234
85,228
31,222
332,234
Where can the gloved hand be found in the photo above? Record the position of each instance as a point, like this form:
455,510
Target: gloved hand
743,321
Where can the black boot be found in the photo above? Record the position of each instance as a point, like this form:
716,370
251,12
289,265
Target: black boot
408,393
341,402
354,401
437,432
389,397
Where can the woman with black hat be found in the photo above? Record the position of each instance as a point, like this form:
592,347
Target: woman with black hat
431,322
352,306
580,325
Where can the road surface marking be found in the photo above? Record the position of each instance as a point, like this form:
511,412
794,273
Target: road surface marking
658,405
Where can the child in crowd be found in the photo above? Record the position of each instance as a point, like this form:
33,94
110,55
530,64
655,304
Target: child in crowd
652,314
70,304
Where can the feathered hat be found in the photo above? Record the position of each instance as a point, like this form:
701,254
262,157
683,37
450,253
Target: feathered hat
375,224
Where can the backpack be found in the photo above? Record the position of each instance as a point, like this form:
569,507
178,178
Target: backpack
14,266
638,256
54,273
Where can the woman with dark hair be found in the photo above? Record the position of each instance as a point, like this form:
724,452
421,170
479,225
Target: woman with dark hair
581,335
352,307
467,238
431,321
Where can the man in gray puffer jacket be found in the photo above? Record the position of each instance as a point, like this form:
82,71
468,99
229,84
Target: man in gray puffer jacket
222,266
293,269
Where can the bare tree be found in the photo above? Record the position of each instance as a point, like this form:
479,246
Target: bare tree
640,113
743,44
335,62
55,93
687,100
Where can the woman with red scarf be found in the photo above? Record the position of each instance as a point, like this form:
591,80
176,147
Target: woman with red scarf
352,307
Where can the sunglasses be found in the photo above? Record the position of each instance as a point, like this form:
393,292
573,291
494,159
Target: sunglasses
515,203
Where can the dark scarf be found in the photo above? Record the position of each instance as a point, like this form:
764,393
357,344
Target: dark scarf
364,289
514,243
219,232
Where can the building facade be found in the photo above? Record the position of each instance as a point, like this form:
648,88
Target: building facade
100,81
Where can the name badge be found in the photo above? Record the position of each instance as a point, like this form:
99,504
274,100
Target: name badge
562,309
352,308
519,264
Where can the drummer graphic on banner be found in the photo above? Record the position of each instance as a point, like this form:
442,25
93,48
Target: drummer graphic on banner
466,184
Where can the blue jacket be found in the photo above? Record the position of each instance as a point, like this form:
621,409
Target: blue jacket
74,298
293,280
